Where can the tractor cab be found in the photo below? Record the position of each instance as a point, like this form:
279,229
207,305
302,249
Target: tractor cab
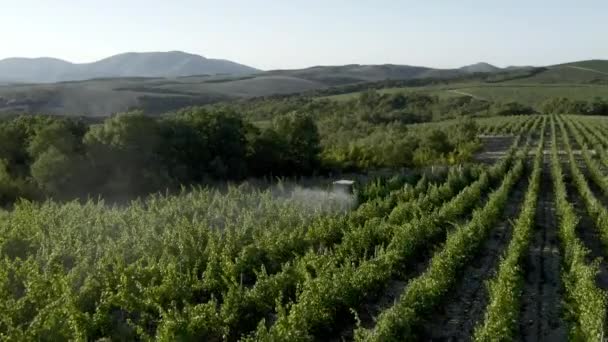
344,185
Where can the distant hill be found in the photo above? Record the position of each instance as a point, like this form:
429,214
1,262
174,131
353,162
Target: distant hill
593,70
480,67
177,79
33,70
353,73
150,64
582,72
356,73
594,65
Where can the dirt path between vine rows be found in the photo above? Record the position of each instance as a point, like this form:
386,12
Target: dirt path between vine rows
587,232
541,307
394,288
466,303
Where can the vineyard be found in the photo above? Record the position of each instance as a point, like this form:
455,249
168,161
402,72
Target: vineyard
512,247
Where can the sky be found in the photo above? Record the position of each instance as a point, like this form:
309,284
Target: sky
281,34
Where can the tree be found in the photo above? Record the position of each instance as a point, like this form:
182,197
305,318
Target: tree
424,155
12,148
268,150
369,99
6,187
123,155
437,141
513,108
58,135
198,143
465,131
597,107
300,133
131,134
53,171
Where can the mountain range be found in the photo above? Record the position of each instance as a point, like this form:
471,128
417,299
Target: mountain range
164,81
132,64
178,64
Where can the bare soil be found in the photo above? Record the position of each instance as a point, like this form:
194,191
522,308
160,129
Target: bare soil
586,230
370,310
494,148
541,307
465,306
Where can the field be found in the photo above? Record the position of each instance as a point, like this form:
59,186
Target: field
584,80
532,94
578,81
512,247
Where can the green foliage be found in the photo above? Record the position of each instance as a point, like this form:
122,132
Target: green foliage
425,291
327,298
130,154
512,108
156,268
270,265
505,288
302,143
562,105
198,143
52,170
465,132
122,152
586,303
65,136
8,190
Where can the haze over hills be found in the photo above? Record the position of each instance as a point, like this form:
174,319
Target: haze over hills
480,67
356,73
160,82
177,64
148,64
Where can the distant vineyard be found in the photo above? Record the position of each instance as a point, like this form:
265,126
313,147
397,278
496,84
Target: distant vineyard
512,248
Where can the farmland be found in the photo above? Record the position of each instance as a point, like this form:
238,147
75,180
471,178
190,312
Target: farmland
511,247
582,81
100,97
529,94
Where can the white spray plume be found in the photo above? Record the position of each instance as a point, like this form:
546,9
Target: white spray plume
315,199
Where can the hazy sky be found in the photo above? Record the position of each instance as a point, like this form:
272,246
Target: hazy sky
272,34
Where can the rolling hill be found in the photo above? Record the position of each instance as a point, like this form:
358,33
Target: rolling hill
166,86
480,67
160,93
355,73
151,64
586,72
594,65
583,80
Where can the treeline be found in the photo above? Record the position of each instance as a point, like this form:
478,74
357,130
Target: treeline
496,77
132,154
371,130
375,107
562,105
394,146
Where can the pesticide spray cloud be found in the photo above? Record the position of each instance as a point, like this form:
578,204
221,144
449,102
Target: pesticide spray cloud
318,200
